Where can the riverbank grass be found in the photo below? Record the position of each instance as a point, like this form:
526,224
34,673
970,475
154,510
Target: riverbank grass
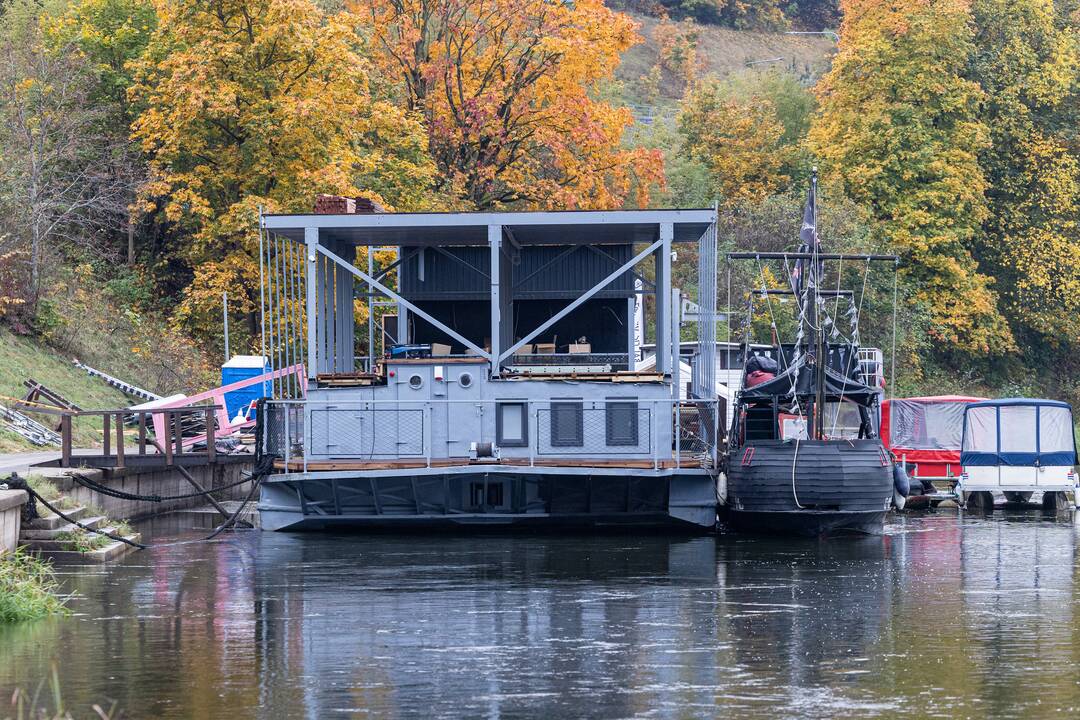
28,588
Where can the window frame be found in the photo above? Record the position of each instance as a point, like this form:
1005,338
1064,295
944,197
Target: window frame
523,405
556,437
613,405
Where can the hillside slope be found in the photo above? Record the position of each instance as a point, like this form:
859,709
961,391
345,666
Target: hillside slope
720,51
81,318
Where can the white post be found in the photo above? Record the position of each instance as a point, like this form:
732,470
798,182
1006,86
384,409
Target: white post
225,316
311,239
495,248
663,298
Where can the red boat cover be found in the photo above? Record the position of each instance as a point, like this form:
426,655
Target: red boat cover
925,429
757,377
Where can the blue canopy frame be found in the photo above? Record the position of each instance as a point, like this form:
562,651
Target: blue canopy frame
1032,459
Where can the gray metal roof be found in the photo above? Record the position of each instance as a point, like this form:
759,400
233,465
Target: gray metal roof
569,227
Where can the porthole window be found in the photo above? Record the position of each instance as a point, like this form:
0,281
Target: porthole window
416,382
464,379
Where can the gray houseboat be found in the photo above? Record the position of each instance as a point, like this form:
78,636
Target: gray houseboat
505,391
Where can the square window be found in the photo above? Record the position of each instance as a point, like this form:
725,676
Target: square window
567,424
621,422
511,424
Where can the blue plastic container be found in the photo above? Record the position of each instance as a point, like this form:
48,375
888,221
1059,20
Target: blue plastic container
242,367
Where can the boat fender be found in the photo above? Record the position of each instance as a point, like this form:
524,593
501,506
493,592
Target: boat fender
898,500
757,377
901,481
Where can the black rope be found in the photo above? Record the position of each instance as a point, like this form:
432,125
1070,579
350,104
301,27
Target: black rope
119,538
97,487
263,467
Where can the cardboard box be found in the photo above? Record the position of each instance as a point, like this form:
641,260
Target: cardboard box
580,348
545,348
439,350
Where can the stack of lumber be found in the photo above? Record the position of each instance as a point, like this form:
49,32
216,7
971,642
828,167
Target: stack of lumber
340,205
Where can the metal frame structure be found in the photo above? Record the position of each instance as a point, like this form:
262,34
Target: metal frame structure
311,277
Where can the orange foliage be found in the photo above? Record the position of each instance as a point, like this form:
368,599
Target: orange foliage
505,87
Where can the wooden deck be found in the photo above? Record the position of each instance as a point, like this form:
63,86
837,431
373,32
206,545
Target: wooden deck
331,465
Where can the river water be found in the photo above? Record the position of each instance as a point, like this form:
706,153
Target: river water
943,616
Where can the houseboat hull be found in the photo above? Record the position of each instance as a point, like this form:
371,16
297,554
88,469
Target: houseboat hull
810,489
471,498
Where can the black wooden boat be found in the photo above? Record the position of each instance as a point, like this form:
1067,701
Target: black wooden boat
792,467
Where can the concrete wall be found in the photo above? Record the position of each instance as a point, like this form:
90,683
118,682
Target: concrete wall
11,503
158,482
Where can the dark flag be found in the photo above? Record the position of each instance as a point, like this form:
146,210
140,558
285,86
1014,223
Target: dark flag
808,239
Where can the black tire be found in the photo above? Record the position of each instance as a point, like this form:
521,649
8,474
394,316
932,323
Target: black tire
1018,497
1054,502
981,501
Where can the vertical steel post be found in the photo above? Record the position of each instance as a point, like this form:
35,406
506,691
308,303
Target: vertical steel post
311,240
676,368
262,291
495,248
663,298
225,317
371,311
284,324
271,312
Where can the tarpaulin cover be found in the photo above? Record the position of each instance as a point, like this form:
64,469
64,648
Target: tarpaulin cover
1018,431
925,429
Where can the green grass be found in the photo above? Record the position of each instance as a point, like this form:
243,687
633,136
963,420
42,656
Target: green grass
21,359
83,541
28,588
51,493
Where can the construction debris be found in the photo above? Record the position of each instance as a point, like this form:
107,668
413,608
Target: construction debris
37,392
126,388
30,429
339,205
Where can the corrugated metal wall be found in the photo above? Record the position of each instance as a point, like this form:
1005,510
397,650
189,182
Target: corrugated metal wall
543,272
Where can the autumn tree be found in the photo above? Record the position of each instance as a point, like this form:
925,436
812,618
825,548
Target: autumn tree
505,88
746,132
899,130
261,102
56,179
1029,69
111,35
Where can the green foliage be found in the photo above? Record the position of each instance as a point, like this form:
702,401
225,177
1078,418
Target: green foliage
28,588
111,34
900,132
82,541
1029,68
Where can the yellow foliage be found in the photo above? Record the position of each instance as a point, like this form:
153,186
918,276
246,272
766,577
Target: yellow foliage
739,140
261,102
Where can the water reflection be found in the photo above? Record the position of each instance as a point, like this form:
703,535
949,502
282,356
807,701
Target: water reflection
942,616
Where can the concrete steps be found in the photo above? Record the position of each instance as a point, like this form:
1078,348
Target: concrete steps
43,536
112,551
32,533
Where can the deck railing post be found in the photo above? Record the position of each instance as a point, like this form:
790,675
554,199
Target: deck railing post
65,440
106,436
167,441
142,433
211,450
678,433
178,433
288,436
119,440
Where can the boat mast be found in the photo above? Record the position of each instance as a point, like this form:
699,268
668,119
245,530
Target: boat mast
820,361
